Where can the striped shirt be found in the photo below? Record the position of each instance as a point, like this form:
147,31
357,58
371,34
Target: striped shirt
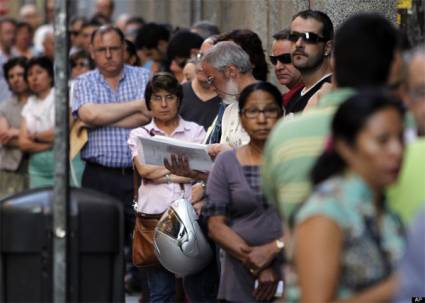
107,145
291,150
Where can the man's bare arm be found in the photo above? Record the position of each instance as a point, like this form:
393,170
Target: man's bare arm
107,114
133,121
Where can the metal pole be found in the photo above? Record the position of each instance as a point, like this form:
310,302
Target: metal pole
61,151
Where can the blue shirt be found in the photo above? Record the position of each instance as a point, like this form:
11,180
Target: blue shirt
107,145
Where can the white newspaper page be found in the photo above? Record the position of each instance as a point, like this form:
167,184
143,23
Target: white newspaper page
157,148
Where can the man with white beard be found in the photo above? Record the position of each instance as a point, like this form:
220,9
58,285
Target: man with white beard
229,71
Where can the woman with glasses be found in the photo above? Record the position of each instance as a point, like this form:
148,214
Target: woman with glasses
239,219
159,187
346,240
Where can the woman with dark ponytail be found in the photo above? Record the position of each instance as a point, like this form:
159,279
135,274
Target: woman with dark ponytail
346,241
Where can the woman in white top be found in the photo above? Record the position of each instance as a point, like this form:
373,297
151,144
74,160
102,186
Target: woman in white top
37,128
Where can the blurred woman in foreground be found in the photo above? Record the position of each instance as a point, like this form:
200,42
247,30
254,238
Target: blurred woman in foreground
346,240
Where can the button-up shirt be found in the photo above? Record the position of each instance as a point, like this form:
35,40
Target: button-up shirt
156,198
108,145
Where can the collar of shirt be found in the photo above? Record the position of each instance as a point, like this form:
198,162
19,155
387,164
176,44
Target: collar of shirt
181,127
123,74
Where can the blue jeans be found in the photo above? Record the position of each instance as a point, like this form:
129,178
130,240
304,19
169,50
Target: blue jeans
162,285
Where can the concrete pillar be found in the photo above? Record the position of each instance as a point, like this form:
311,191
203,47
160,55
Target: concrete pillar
340,10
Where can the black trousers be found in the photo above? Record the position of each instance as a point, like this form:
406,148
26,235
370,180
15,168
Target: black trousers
116,182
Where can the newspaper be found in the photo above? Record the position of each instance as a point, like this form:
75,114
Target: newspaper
157,148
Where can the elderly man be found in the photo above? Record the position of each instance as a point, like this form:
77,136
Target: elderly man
109,100
311,36
286,73
229,70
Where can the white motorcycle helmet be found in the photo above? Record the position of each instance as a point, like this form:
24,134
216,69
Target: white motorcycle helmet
179,243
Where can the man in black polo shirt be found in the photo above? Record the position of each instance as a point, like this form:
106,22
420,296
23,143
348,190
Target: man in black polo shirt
311,36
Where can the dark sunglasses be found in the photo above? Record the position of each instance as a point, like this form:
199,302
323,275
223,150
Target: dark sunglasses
284,59
307,37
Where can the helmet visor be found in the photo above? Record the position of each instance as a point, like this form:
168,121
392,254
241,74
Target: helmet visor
172,225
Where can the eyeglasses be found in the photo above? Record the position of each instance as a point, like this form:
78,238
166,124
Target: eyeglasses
308,37
269,112
283,58
167,98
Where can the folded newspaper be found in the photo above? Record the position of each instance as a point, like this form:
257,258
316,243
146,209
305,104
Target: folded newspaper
157,148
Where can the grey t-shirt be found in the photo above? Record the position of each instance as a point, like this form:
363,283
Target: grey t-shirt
234,191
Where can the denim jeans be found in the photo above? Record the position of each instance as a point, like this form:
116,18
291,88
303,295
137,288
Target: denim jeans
162,285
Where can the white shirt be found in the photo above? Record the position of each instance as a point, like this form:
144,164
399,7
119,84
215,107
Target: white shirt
39,114
232,132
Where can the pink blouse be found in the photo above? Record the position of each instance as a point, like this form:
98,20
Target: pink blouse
156,198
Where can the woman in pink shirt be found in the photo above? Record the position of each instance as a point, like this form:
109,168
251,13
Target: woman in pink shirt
159,187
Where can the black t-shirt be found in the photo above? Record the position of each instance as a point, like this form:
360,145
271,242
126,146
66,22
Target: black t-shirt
298,102
198,111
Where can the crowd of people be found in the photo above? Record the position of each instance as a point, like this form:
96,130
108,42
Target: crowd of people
318,188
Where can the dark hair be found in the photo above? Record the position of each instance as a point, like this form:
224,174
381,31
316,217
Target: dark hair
282,35
163,81
349,120
327,28
26,25
101,19
107,29
251,44
82,54
6,19
11,63
90,23
76,19
150,34
42,61
137,20
132,52
263,86
364,50
182,43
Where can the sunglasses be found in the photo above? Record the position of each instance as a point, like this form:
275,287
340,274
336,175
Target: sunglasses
308,37
283,58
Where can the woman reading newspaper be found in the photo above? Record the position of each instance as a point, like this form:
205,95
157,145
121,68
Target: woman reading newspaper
159,187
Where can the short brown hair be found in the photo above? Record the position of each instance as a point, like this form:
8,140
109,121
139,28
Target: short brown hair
163,81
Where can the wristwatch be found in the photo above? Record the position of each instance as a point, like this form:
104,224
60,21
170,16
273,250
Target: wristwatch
280,244
168,178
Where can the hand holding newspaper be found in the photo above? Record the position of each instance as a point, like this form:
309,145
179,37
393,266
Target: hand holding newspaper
157,148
